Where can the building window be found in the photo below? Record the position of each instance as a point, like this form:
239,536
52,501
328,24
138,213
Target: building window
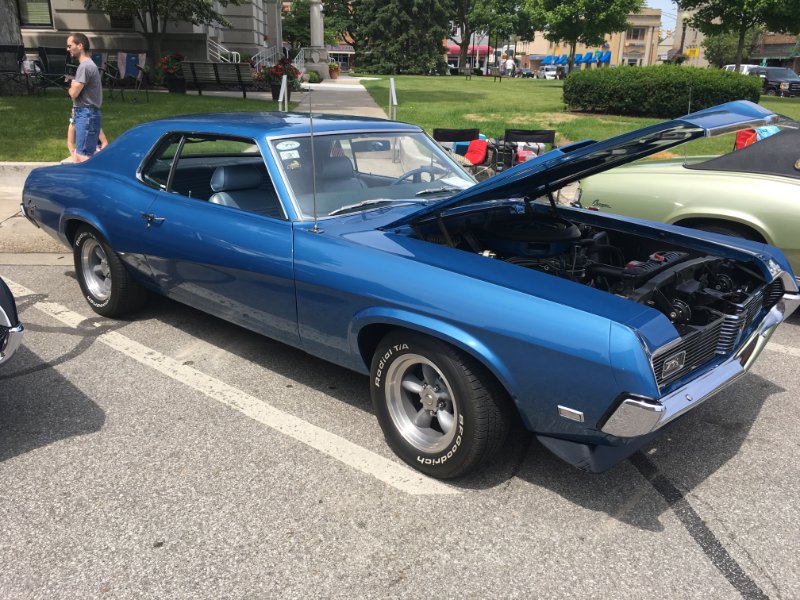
636,33
35,13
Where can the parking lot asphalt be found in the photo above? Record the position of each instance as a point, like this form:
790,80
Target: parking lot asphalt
173,455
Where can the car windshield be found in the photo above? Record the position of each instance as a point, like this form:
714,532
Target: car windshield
348,173
782,72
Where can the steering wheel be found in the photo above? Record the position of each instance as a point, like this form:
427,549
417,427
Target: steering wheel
416,174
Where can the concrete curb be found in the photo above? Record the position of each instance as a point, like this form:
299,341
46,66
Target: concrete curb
15,173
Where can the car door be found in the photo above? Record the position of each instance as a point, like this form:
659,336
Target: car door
226,260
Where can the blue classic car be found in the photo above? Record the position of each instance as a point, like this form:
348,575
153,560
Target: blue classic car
471,306
10,327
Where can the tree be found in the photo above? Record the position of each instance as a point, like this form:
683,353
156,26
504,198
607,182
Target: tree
406,36
297,26
154,15
503,18
584,21
714,17
720,49
351,20
10,34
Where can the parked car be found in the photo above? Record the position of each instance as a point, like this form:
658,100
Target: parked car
524,73
10,327
778,81
469,305
743,69
547,72
751,193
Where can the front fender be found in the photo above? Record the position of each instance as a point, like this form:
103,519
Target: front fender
437,328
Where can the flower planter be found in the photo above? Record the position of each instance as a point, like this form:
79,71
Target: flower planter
333,74
275,88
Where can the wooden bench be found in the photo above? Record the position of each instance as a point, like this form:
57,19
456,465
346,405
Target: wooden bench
224,75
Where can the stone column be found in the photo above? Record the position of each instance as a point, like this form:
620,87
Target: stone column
316,55
274,25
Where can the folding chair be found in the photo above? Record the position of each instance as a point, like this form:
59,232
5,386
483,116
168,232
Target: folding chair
132,65
535,139
448,137
12,74
55,65
481,159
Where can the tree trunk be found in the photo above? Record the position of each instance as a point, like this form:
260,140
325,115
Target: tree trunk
464,49
572,46
740,47
11,35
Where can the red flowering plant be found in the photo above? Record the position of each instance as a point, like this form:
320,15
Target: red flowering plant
274,74
169,67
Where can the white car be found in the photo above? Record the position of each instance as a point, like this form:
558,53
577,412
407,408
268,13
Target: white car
743,69
547,72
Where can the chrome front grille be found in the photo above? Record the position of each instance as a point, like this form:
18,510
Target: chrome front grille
740,320
699,347
773,292
719,337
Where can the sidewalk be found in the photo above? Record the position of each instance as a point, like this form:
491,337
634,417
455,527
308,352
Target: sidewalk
343,96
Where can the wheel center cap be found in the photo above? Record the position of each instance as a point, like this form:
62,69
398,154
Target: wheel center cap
428,398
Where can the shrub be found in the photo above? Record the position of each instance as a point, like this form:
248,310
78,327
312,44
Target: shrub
313,77
662,91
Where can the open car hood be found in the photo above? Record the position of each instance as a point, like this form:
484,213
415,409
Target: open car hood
561,166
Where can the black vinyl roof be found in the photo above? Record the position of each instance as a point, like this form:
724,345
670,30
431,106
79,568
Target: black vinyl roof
777,154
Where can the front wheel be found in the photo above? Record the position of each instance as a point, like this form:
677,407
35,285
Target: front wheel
439,409
105,282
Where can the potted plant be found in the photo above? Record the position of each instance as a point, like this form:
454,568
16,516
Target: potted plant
169,70
333,70
273,76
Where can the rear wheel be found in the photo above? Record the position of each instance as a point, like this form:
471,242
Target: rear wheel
105,281
439,409
772,92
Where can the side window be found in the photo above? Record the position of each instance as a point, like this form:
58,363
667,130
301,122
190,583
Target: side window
221,170
156,173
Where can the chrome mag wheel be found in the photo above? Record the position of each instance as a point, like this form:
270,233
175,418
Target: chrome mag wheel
421,403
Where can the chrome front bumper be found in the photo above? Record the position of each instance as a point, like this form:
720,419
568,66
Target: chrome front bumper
11,344
636,416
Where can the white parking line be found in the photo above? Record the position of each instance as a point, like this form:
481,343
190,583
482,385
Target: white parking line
394,474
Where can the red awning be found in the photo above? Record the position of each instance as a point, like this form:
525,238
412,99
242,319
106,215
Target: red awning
482,49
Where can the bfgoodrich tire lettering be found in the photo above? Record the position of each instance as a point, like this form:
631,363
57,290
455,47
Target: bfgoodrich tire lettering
439,409
105,282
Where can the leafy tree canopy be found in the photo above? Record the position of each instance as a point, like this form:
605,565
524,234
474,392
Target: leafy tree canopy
714,17
297,26
154,15
405,36
720,49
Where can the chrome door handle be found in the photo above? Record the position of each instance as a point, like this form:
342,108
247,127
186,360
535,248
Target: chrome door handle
151,219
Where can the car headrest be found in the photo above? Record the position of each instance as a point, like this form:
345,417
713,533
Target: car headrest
336,167
235,177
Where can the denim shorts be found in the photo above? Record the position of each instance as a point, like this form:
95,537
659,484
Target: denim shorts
88,123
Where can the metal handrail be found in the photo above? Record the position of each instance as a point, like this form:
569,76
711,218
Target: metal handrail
267,56
300,60
221,53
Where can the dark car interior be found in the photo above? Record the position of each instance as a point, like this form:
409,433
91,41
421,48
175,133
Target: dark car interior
224,171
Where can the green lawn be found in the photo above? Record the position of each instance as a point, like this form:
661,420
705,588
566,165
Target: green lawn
36,126
493,106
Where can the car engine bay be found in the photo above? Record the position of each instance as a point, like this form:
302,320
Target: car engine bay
692,289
